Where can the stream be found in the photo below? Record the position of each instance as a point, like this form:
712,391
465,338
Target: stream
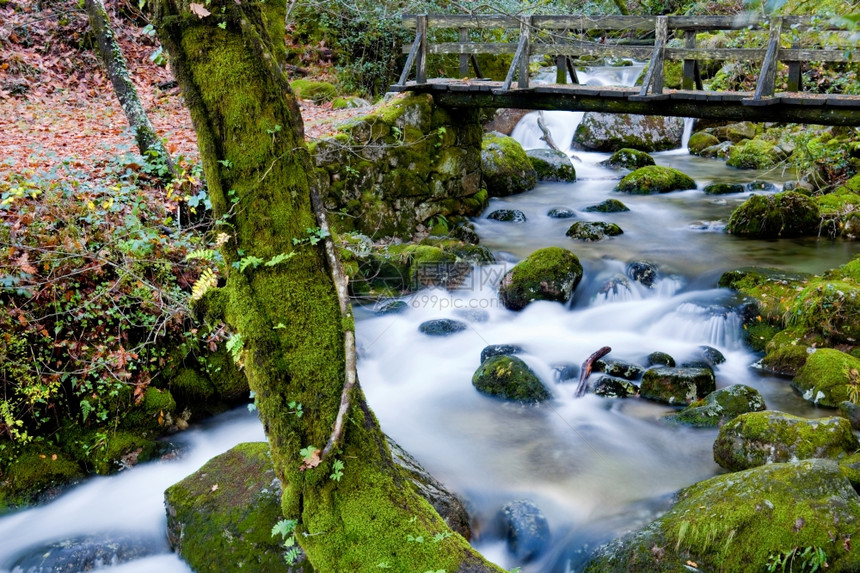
596,467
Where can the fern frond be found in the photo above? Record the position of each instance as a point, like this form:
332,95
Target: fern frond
208,280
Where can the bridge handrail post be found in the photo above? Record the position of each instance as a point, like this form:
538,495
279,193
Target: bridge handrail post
515,63
421,61
525,34
767,77
691,78
653,81
463,36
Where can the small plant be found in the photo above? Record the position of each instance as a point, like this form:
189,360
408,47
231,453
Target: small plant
286,528
235,344
295,409
337,470
806,559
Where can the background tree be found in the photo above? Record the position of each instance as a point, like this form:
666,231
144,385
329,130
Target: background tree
355,510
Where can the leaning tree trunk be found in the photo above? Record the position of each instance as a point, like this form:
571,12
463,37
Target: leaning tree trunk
147,139
258,170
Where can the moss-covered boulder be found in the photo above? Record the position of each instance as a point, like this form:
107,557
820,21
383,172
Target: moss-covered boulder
659,359
840,213
593,230
744,521
509,378
759,438
611,132
442,327
832,307
677,385
655,179
610,387
754,154
547,274
34,474
700,141
771,290
628,159
505,167
508,216
719,407
829,377
785,360
723,188
552,165
783,215
608,206
315,91
619,368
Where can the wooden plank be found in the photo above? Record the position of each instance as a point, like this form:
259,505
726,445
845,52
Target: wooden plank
410,60
571,69
648,97
421,58
843,101
464,21
463,36
475,65
735,54
688,77
525,33
597,50
653,81
470,48
761,102
585,23
517,55
844,55
795,75
767,76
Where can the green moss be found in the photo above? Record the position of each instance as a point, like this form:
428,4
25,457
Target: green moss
758,333
547,274
850,467
655,179
677,385
830,307
719,407
593,230
314,91
627,158
505,167
787,214
700,141
551,165
608,206
758,438
509,378
33,471
772,290
829,377
786,360
753,154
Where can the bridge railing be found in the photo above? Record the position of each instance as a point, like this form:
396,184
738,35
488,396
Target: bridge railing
567,37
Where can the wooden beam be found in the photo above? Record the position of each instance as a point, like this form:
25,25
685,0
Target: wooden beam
513,69
653,81
421,58
410,59
525,33
464,58
767,76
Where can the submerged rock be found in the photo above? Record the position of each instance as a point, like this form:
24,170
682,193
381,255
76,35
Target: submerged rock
711,355
508,216
677,385
759,438
500,350
724,188
643,272
593,231
786,215
547,274
509,378
628,159
505,167
754,154
851,412
551,165
561,213
829,377
86,553
740,521
655,179
610,387
525,528
719,407
442,327
608,206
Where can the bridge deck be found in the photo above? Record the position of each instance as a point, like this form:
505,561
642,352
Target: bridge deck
792,107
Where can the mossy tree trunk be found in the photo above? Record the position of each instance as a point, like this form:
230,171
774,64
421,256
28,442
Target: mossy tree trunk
147,139
258,171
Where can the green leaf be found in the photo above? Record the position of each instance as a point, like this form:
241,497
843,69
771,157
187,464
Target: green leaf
277,259
284,527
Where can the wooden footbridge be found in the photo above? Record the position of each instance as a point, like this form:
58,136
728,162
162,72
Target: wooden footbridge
786,45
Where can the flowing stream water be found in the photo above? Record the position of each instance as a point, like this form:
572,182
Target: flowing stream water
596,467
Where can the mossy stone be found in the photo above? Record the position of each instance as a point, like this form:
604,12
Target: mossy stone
610,387
759,438
627,158
593,230
783,215
505,167
442,327
508,216
753,154
608,206
660,359
619,368
509,378
829,377
317,92
614,131
830,307
552,165
32,472
700,141
719,407
677,385
500,350
655,179
723,188
561,213
549,274
739,521
786,360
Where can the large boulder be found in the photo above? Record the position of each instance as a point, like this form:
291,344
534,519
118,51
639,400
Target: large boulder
628,159
783,215
677,385
509,378
593,230
619,368
700,141
754,154
719,407
611,132
505,167
829,377
552,165
759,438
655,179
547,274
744,522
608,206
832,307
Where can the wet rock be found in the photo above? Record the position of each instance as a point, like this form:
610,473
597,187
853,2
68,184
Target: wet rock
86,553
759,438
719,407
547,274
659,359
754,154
611,132
505,120
851,412
508,216
829,377
551,165
390,306
505,167
509,378
561,213
628,159
643,272
608,206
711,355
677,385
610,387
724,188
617,287
829,307
525,529
565,372
765,186
787,214
619,368
441,327
753,515
500,350
593,231
655,179
700,141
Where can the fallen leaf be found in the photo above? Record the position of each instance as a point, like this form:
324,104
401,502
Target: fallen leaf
311,461
199,10
214,487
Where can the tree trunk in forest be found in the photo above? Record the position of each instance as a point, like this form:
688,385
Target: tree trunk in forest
147,140
227,58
